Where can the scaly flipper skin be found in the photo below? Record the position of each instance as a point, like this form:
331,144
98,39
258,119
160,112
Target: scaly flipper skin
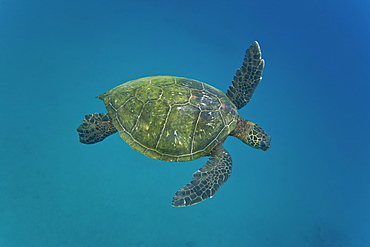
95,128
247,78
207,180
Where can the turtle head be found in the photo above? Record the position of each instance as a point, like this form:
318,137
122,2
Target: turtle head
251,134
258,138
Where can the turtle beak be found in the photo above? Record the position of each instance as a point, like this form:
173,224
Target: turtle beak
265,143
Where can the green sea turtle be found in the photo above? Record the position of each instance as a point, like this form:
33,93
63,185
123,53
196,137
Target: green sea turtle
179,119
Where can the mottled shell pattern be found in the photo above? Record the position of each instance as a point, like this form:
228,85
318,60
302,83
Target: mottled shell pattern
170,118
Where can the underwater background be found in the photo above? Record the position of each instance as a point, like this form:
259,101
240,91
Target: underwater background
312,188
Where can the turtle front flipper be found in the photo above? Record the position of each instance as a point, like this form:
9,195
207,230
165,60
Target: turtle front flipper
247,78
95,128
207,180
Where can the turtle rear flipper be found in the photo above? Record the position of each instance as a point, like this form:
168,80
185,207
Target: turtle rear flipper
247,78
95,128
207,180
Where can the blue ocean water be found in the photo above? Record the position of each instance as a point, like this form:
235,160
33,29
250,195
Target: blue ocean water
310,189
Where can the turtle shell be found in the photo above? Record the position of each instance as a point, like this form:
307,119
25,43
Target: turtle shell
170,118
